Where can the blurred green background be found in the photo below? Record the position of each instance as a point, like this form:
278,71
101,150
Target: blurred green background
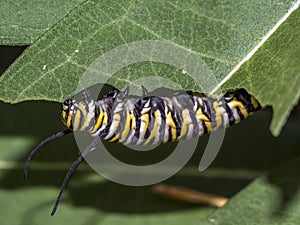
248,151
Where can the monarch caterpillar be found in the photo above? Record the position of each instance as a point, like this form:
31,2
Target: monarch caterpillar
147,119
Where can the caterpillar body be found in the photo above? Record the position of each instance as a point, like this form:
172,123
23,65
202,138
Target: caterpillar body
118,117
147,119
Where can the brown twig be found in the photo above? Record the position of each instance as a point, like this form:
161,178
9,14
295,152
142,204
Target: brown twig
188,195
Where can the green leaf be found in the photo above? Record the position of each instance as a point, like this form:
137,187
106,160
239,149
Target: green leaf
273,73
272,199
23,22
219,33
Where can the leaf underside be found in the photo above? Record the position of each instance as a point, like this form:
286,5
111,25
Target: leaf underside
67,42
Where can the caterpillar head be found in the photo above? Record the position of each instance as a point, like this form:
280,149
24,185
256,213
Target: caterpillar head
78,112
